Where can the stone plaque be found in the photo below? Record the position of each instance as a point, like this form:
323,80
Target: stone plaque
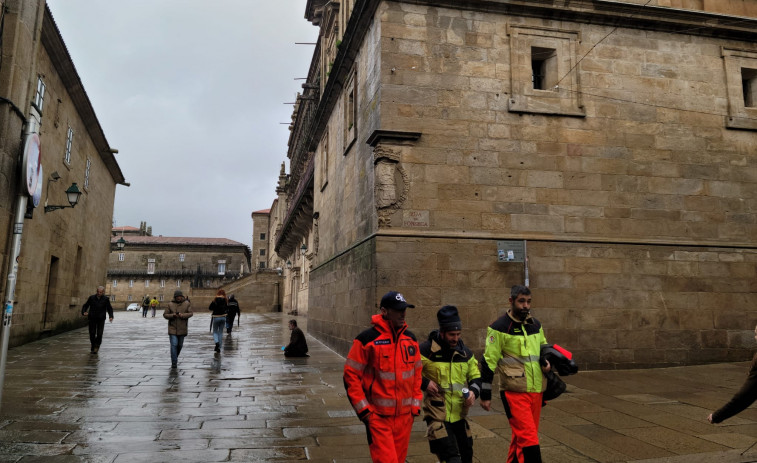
415,219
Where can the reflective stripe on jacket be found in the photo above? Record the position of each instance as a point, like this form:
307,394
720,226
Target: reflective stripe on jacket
452,370
382,373
512,350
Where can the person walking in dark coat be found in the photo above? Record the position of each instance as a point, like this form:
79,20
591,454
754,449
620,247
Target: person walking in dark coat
218,309
298,346
95,309
233,311
743,398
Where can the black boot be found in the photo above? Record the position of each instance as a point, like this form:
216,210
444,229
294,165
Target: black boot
218,347
532,454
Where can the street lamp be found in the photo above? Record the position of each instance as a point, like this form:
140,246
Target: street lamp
289,264
72,193
121,243
303,249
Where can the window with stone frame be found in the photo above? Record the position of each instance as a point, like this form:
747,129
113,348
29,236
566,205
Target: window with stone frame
162,283
150,266
222,267
147,283
86,173
262,252
329,40
323,165
178,283
544,71
131,283
121,256
741,83
129,298
39,97
261,265
115,283
69,144
181,257
350,113
160,298
262,237
112,297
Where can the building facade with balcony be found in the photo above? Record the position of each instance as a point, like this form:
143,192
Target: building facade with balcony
609,144
159,265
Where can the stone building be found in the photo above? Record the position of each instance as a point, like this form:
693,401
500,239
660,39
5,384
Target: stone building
64,252
159,265
260,234
602,151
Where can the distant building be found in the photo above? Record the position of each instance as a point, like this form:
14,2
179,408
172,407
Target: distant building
602,151
159,265
260,234
64,252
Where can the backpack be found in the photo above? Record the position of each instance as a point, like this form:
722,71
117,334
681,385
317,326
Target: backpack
146,302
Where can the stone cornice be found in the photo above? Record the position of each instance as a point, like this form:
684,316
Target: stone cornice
64,65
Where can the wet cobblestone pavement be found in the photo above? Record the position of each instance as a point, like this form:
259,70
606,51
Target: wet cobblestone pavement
248,403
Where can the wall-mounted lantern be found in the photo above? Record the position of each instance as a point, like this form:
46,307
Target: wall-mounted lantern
121,243
303,249
72,193
289,264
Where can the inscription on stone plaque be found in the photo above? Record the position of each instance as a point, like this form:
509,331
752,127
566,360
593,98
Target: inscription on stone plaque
415,219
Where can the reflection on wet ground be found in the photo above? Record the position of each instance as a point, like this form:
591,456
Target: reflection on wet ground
249,403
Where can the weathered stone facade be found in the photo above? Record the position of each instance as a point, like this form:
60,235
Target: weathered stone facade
260,239
63,254
618,139
159,265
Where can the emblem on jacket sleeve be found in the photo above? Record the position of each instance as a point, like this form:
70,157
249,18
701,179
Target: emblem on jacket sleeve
491,339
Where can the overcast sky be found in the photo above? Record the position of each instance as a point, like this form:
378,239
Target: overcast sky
192,94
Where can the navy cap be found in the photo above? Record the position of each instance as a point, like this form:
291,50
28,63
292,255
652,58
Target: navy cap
396,301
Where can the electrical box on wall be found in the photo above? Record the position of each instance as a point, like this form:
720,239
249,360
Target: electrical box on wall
511,251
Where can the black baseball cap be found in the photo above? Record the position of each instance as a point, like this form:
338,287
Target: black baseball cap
395,301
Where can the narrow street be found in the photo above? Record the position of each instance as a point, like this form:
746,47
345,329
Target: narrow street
249,403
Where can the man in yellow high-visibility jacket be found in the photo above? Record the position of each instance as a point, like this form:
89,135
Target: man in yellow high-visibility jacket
452,382
513,348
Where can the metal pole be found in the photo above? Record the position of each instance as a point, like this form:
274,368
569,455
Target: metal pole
10,286
525,264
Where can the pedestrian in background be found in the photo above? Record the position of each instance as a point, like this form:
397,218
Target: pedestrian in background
95,309
233,311
382,376
145,306
298,346
154,305
743,398
218,308
513,348
452,383
177,313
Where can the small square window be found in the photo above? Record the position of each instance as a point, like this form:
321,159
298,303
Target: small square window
121,256
262,252
544,68
129,298
262,264
262,237
160,298
112,297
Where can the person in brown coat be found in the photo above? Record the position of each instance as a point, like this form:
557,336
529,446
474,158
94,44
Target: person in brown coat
743,398
177,313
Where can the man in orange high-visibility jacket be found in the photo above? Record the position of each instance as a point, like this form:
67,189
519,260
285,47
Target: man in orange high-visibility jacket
382,376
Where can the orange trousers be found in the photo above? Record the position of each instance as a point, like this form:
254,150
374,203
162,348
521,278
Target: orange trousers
389,437
523,410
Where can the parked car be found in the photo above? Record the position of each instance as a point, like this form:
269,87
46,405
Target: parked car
134,306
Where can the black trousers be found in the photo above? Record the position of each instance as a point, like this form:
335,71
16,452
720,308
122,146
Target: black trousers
457,447
96,328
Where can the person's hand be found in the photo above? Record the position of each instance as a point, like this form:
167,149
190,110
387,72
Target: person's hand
546,368
470,400
85,314
432,388
486,405
111,319
709,418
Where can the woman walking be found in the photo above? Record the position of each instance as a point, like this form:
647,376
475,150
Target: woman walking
177,313
218,307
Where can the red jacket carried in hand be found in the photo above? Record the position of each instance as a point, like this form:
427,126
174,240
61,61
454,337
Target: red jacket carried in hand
382,373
